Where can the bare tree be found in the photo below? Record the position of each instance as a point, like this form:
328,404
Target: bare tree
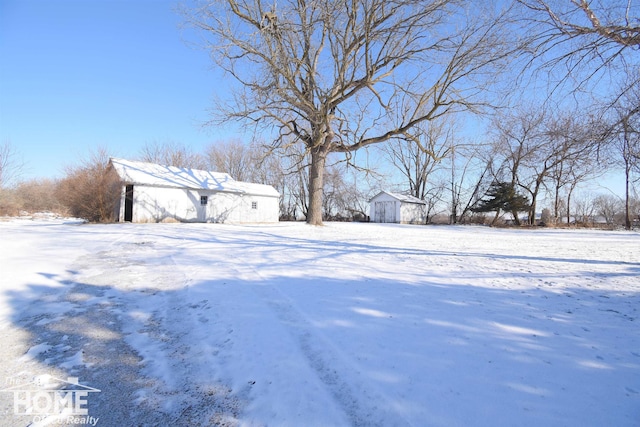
11,166
564,157
357,199
170,153
346,193
608,206
517,134
328,74
541,150
582,38
39,196
336,190
470,178
624,136
517,150
575,142
585,209
298,192
634,210
418,157
286,169
233,157
271,170
567,175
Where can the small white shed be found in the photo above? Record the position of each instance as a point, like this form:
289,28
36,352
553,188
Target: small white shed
397,208
155,193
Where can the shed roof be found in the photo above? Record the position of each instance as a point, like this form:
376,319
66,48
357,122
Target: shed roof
152,174
405,198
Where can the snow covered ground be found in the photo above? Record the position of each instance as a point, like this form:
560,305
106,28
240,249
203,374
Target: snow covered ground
342,325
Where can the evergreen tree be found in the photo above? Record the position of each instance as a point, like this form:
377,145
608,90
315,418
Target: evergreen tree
502,196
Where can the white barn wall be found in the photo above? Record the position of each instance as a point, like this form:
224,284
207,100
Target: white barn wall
412,213
167,192
237,208
157,204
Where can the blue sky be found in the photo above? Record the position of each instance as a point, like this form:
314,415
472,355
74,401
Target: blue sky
77,74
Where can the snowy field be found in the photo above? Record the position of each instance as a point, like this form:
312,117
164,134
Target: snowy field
342,325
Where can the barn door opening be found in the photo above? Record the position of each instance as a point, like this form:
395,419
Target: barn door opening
128,203
385,211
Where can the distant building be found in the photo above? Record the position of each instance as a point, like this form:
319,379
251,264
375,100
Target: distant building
156,193
397,208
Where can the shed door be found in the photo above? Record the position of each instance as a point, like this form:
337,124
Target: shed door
385,211
128,203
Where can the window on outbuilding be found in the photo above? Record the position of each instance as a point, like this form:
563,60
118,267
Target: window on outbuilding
254,205
204,200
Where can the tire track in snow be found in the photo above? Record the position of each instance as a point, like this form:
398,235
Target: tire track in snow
163,324
83,322
184,320
124,324
358,397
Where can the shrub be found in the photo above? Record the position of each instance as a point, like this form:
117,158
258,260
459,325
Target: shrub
91,191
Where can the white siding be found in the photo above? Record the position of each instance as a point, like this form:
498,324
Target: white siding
166,192
385,208
389,209
156,204
385,211
413,213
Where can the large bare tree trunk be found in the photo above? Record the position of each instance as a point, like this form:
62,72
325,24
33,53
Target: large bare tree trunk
316,184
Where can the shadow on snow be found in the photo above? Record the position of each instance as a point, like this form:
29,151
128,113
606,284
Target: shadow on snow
386,351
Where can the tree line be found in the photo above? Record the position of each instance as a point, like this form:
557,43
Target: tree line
90,189
532,162
340,76
329,87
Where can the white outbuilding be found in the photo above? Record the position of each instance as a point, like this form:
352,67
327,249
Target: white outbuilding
156,193
397,208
